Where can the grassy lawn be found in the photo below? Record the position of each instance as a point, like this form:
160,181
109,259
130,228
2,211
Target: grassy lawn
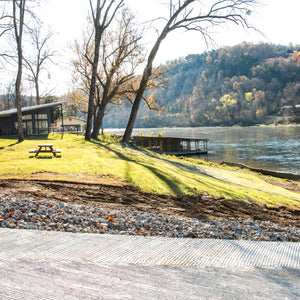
94,161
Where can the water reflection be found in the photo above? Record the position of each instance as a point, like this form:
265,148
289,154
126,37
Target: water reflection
276,148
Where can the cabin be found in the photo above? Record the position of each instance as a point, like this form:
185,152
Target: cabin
172,145
36,119
70,125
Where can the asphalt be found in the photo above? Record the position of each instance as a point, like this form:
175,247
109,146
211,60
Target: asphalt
56,265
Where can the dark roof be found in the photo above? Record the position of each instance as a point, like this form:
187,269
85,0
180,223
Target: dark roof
290,106
9,112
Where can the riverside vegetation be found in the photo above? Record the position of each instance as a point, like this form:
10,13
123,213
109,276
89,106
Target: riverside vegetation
115,184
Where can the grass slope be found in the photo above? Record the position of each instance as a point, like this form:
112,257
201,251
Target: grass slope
95,160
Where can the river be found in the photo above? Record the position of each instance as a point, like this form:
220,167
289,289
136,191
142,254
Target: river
268,147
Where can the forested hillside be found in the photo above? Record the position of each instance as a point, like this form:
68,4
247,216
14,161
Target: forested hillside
240,85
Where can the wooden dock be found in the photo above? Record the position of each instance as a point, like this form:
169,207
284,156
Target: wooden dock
172,145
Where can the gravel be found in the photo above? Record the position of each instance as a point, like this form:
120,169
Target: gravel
30,213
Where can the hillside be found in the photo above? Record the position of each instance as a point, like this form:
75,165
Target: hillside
240,85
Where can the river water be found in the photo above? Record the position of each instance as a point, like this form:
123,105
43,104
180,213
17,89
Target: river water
268,147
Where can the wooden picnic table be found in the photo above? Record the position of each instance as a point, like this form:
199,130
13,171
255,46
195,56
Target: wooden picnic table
45,148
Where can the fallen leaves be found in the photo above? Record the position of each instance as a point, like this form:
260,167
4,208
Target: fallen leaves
111,219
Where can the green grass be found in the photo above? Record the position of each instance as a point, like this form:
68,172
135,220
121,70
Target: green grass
95,160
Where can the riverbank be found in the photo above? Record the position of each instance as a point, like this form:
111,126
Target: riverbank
122,177
275,148
282,175
98,161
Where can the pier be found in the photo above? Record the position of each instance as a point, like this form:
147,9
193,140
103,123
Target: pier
172,145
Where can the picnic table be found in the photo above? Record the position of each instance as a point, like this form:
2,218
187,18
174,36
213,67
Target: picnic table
42,148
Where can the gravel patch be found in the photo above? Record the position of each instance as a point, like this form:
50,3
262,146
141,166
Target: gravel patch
29,213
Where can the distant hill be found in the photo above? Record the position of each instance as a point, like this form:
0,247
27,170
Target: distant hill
240,85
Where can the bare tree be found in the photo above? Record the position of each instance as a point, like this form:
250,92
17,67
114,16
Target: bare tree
5,25
190,15
42,54
121,56
18,21
157,80
102,16
76,103
14,22
82,62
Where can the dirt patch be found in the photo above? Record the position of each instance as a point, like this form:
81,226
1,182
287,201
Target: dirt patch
118,196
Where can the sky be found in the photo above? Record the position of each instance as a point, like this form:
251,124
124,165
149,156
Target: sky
278,20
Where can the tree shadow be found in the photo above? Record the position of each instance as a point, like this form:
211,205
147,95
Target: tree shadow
177,187
181,166
28,138
169,180
10,145
190,171
40,137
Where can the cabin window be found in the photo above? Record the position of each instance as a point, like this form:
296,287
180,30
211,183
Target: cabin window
41,116
26,117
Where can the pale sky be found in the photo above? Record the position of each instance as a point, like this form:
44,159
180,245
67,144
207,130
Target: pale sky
279,20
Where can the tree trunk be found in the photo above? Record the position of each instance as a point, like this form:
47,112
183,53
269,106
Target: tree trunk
136,104
99,119
18,27
102,107
102,19
37,91
148,69
18,102
143,85
102,129
93,84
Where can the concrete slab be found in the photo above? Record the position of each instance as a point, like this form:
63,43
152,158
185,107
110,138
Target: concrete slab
121,249
55,265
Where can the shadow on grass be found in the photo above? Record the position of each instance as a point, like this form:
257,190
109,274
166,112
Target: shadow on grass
210,184
169,180
1,148
192,169
10,145
44,157
44,137
47,157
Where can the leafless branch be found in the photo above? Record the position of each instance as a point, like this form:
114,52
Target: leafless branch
190,15
102,17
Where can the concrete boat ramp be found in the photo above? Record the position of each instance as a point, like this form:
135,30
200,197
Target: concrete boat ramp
55,265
